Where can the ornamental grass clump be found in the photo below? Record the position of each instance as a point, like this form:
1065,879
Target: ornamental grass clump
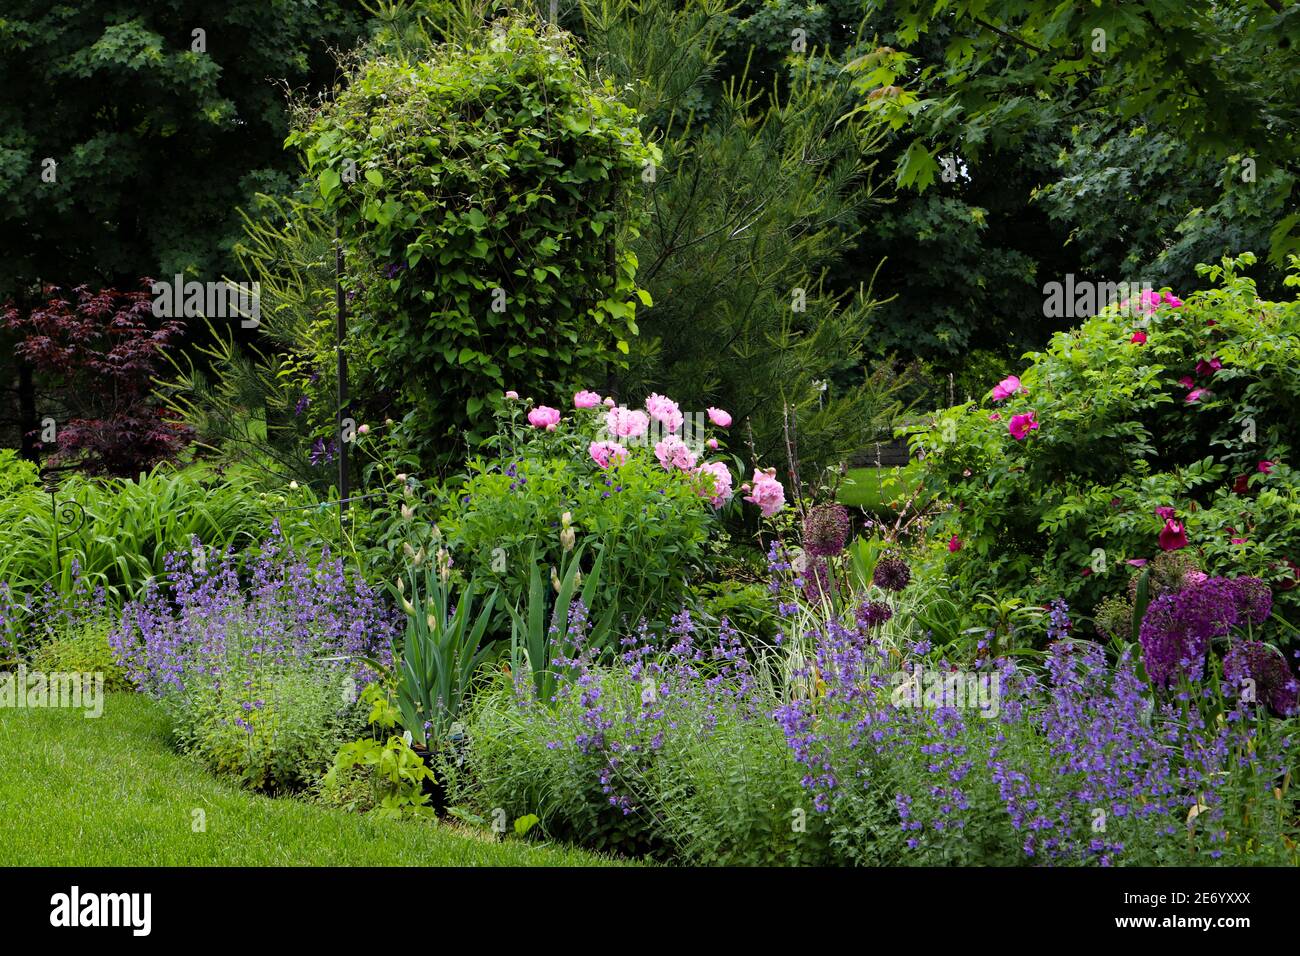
260,674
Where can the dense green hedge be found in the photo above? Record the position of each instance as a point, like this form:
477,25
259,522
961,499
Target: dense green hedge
494,186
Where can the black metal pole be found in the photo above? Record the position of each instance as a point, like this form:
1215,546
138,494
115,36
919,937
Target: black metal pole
340,301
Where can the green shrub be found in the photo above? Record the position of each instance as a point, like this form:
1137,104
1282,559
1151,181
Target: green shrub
84,651
1125,428
495,186
16,474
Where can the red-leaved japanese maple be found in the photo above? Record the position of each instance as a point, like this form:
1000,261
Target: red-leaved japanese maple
101,351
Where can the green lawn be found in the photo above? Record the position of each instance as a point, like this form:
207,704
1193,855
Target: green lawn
874,488
110,792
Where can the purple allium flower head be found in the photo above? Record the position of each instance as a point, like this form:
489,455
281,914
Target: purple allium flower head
825,530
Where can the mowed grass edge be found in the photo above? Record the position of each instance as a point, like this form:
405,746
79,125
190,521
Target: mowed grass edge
109,791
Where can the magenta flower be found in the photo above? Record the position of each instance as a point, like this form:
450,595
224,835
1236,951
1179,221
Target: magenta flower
1139,338
543,416
1208,368
954,544
1194,395
1266,466
1165,512
719,417
1173,535
512,395
585,399
1186,381
1021,425
994,417
1007,387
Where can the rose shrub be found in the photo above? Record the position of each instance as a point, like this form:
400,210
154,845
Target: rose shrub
1182,436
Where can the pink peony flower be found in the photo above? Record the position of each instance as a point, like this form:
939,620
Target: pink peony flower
954,544
586,400
719,417
1173,536
1007,387
766,492
1194,395
1266,466
543,416
719,491
664,411
624,423
712,444
672,452
512,395
609,402
1021,425
1139,338
605,452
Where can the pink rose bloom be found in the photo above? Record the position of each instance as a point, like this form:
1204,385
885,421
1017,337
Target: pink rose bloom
604,452
512,395
712,444
1173,536
721,491
1186,381
586,400
1194,396
664,411
719,417
543,416
1237,540
672,452
1266,466
1021,425
624,423
1165,512
1171,300
766,492
994,417
1139,338
954,544
1208,368
1006,388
